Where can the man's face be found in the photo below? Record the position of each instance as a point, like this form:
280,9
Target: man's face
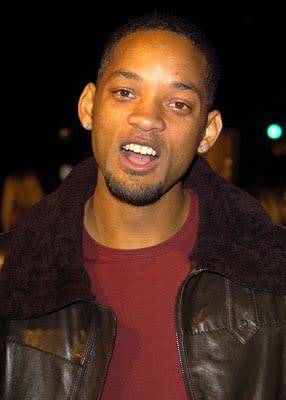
149,115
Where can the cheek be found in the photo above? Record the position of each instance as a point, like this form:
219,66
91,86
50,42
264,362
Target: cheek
104,145
182,155
186,148
99,145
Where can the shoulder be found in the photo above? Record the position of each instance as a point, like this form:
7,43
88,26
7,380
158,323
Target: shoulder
5,239
280,232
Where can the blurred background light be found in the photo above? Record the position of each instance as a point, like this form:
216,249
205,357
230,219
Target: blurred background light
274,131
65,133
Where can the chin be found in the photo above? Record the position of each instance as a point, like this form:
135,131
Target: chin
134,194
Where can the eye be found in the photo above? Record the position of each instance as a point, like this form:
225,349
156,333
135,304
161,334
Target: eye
179,105
124,93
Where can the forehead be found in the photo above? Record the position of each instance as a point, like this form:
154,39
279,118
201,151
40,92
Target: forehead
151,49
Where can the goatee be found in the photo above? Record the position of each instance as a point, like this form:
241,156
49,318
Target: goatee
134,194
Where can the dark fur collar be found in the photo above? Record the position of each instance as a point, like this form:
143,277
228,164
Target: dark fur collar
43,268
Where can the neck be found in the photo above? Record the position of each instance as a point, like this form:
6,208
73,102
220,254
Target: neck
116,224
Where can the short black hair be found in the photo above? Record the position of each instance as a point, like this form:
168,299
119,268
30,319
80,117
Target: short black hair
172,23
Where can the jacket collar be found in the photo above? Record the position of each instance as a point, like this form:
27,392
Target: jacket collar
43,267
236,236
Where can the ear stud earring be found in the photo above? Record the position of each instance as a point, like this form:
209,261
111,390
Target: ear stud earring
86,125
203,148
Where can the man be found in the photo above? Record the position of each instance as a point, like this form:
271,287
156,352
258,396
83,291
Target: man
146,275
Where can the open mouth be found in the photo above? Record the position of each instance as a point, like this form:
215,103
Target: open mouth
139,154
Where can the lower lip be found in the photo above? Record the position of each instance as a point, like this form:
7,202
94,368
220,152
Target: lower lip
138,166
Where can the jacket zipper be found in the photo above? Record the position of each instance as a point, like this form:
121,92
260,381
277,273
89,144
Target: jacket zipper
179,335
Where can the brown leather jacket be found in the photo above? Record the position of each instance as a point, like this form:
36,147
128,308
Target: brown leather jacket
57,341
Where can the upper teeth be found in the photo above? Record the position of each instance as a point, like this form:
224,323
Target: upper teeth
136,148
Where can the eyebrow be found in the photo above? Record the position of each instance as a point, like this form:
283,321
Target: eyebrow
126,74
188,86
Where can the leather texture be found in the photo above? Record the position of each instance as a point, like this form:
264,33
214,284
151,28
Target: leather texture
230,340
58,356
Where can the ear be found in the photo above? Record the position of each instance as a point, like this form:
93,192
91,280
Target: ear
213,129
85,105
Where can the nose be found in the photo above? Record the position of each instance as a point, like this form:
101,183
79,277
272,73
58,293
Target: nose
146,118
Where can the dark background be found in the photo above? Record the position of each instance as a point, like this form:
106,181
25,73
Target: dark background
48,55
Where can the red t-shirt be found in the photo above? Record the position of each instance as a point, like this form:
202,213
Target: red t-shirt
141,287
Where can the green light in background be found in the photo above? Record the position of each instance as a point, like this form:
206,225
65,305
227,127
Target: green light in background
274,131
